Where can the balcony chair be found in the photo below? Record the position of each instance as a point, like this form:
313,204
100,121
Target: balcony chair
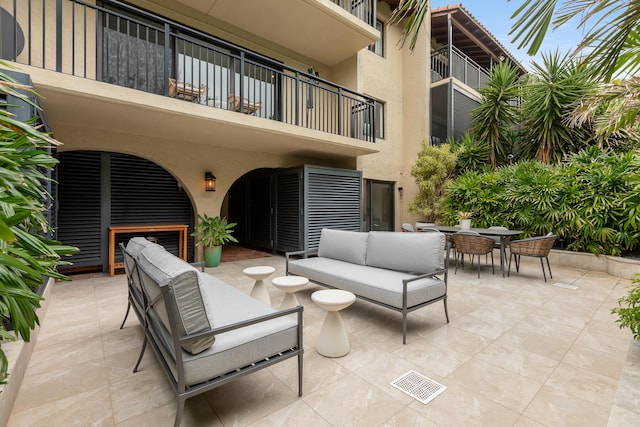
186,91
539,247
471,243
248,107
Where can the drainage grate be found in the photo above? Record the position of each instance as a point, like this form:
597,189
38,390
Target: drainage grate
418,386
565,286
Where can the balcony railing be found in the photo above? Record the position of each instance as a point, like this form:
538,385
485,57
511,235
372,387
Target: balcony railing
459,66
364,10
126,46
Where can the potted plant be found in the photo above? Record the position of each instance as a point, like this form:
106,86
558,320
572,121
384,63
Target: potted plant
629,315
213,232
465,220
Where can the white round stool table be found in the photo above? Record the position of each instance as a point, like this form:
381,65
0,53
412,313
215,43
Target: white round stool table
333,340
259,273
290,285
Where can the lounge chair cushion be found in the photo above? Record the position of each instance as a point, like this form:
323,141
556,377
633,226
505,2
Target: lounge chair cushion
168,270
411,252
137,244
348,246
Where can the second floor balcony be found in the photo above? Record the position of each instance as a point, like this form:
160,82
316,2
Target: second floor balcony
447,63
120,45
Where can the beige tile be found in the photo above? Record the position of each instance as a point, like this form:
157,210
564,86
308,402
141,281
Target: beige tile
552,407
388,368
139,393
296,413
458,340
49,386
361,353
527,422
543,345
433,358
583,384
518,361
628,392
501,386
318,372
197,413
479,325
458,406
91,407
540,324
250,398
408,417
352,401
621,417
600,362
80,349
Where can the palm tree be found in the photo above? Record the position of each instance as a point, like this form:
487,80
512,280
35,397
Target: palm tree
611,37
611,29
493,118
549,96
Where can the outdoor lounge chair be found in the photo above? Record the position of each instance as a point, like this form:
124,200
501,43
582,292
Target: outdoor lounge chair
539,246
469,242
186,91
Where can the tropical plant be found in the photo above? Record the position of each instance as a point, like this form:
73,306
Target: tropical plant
493,118
27,256
591,201
414,12
550,94
610,29
213,231
471,155
629,315
433,171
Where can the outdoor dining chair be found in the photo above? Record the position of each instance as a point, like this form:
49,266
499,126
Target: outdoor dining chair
407,227
471,243
539,247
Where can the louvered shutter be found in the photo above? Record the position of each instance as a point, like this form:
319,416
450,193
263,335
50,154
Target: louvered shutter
288,210
333,199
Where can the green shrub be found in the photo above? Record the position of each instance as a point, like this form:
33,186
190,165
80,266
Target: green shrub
592,201
629,316
433,172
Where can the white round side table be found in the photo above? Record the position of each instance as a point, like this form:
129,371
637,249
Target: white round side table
333,340
290,285
259,273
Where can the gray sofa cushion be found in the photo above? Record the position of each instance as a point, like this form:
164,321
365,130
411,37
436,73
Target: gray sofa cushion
137,244
242,346
349,246
168,270
412,252
378,284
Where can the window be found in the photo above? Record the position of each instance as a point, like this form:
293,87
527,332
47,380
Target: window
379,120
378,46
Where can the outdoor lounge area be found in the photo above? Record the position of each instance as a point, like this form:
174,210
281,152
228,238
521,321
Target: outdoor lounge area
517,352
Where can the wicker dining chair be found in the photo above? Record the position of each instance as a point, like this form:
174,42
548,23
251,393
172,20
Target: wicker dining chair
539,247
472,244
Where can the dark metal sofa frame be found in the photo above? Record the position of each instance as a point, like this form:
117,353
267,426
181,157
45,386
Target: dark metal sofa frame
170,354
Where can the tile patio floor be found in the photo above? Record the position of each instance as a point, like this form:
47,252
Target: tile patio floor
518,352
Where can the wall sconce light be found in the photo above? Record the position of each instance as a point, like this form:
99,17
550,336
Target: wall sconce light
400,190
209,181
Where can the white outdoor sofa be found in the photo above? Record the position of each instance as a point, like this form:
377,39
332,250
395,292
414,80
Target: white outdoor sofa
400,271
204,332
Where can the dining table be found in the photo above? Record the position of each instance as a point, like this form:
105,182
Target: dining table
490,232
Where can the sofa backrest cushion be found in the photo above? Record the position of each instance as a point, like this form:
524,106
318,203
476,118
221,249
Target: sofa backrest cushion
137,244
349,246
165,269
410,252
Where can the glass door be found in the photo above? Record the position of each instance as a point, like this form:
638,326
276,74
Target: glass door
379,206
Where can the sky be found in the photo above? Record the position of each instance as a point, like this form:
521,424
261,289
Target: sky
495,15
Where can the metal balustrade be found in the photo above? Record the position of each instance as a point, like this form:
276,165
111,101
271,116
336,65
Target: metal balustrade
126,46
459,66
365,10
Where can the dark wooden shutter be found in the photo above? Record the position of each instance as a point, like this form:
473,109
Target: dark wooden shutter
288,210
333,199
79,205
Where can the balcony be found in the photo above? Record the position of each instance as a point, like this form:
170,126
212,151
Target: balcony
459,66
325,31
127,47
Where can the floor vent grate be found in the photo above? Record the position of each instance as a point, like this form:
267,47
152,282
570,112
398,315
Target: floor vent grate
418,386
565,286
